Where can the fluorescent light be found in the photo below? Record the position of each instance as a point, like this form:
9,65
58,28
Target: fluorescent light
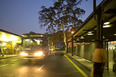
114,34
90,33
106,23
82,37
106,26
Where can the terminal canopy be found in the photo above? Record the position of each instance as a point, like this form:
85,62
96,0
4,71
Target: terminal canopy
87,31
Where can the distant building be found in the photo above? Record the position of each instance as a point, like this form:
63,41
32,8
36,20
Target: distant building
9,42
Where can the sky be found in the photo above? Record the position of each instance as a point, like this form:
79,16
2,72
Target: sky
21,16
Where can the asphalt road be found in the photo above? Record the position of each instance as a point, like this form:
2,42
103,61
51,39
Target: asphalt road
53,66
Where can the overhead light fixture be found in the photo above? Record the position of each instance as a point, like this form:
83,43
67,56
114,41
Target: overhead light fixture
90,33
106,23
82,37
106,26
114,34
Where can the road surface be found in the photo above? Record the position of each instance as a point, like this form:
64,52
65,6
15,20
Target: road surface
52,66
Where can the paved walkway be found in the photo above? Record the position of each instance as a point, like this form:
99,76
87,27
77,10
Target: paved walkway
89,65
7,56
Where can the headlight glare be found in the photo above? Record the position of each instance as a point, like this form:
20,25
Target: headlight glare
23,54
38,54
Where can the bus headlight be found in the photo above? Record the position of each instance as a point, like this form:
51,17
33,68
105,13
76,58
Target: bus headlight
23,54
38,54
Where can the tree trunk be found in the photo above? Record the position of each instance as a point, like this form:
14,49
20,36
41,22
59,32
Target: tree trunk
65,40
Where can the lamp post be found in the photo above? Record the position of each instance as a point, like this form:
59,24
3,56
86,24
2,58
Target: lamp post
72,41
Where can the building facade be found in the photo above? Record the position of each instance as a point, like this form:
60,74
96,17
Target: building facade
9,42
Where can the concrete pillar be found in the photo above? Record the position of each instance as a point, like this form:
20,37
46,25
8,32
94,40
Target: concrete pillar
72,45
82,51
77,50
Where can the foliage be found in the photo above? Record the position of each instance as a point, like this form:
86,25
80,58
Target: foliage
63,12
54,37
62,16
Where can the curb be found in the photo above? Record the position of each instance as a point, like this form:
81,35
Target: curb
7,57
89,69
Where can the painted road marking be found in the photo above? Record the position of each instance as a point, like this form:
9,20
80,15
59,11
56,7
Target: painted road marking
40,67
82,72
4,65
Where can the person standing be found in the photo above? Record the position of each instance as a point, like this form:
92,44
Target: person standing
99,59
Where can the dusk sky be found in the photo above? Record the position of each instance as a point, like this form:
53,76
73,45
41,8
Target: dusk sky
21,16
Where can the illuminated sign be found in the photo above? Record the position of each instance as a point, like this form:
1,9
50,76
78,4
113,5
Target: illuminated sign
112,43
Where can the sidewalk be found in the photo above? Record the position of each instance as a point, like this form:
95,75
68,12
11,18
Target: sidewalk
7,56
89,65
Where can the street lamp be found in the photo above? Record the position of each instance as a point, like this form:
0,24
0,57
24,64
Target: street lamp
72,32
72,41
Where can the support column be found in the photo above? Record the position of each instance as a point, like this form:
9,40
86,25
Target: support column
72,45
107,56
100,27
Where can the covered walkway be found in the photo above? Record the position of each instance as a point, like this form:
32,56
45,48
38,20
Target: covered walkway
100,26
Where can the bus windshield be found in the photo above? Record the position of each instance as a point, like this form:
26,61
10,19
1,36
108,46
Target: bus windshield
32,43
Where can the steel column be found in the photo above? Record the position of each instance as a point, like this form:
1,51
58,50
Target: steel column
72,45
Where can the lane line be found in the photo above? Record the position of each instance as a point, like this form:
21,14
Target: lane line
41,67
4,65
82,72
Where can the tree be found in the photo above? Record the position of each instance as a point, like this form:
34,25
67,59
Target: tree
62,16
54,37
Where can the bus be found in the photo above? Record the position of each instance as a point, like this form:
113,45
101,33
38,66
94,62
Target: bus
33,47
